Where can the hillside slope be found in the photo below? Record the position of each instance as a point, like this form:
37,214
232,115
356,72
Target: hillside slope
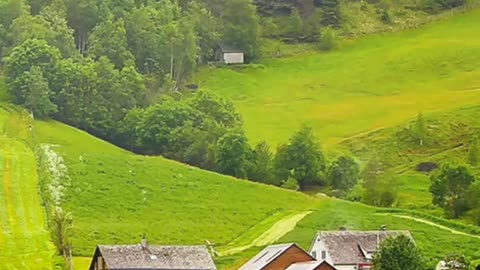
370,83
116,196
24,240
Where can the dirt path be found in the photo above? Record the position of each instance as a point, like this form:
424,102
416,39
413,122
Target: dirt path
279,229
24,241
433,224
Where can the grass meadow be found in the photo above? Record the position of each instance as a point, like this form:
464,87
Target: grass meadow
368,84
116,197
24,239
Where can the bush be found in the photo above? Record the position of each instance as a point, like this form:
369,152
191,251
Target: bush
291,184
328,39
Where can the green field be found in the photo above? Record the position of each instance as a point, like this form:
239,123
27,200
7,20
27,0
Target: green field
24,240
187,205
369,84
116,196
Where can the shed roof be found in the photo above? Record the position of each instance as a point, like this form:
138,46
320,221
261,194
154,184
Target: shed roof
157,257
228,48
352,247
267,255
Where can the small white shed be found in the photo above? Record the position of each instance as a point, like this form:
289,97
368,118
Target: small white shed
229,54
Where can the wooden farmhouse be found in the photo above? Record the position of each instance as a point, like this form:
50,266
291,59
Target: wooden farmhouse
145,257
283,257
349,250
229,55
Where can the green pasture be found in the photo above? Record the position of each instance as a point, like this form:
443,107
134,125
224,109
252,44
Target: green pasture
116,197
368,84
24,239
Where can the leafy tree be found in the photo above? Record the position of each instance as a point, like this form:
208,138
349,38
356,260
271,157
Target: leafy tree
48,27
10,10
207,28
109,39
398,253
379,189
291,184
473,152
331,15
343,174
419,130
36,94
301,158
82,15
30,53
449,189
221,110
232,152
262,164
241,26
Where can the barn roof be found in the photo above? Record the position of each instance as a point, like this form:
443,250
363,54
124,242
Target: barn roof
228,48
352,247
312,265
157,257
267,255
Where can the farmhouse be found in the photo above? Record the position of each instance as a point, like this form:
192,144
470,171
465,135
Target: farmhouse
349,250
143,256
285,256
228,54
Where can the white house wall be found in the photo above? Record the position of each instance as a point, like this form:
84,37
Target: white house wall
317,247
233,58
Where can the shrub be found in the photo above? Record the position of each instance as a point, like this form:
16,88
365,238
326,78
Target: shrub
291,184
328,39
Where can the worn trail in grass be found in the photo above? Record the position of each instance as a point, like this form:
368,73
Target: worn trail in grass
260,235
433,224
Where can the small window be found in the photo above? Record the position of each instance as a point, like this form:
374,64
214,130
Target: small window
324,254
314,254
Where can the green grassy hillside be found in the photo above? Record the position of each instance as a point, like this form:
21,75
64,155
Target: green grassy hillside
24,239
116,196
450,133
368,84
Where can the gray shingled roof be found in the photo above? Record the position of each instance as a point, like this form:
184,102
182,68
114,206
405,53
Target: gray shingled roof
345,247
157,257
266,256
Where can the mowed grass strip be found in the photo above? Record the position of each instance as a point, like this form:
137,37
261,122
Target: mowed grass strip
370,83
116,196
25,240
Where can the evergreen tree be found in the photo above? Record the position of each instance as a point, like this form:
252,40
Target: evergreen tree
419,130
331,15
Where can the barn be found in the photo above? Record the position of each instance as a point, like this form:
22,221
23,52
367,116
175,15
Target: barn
228,54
